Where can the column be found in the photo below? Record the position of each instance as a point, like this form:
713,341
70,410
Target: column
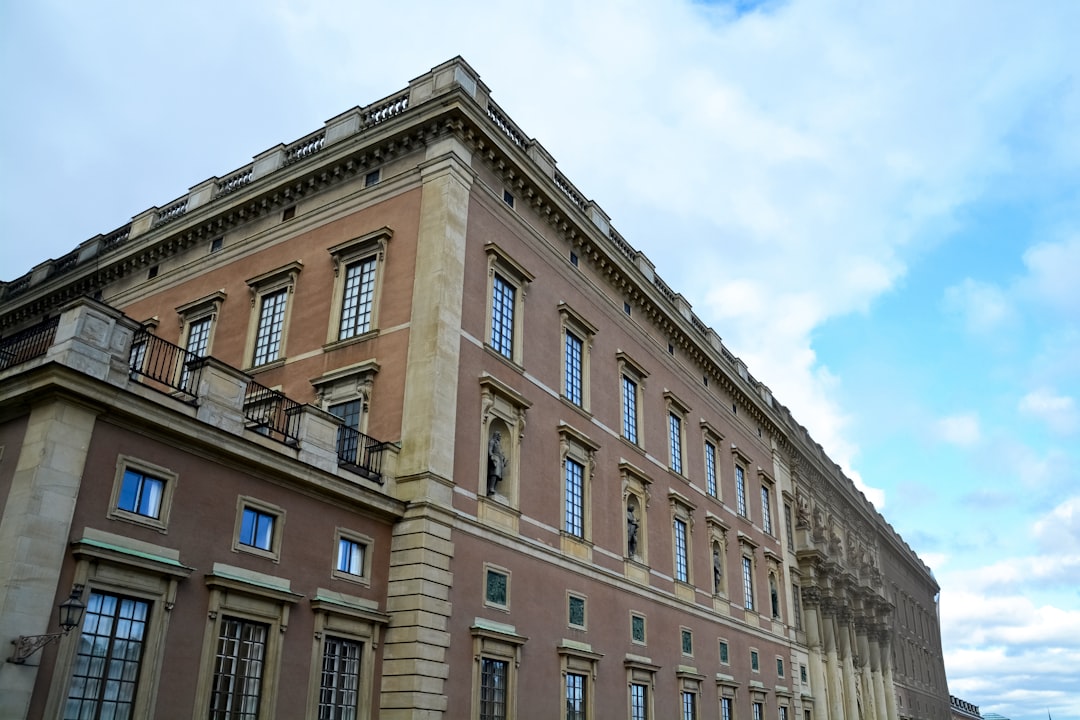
875,671
866,682
843,622
887,674
811,596
835,679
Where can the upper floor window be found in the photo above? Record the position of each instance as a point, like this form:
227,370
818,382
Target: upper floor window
677,413
682,561
270,293
142,492
577,460
575,498
748,582
632,378
357,277
766,510
506,291
258,528
353,560
710,469
577,341
740,490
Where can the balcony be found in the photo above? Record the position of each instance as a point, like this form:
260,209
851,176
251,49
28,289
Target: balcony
220,394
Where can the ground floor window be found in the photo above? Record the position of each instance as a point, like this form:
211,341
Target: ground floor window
340,679
493,680
238,670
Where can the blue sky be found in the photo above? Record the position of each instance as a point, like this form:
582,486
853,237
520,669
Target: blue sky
876,205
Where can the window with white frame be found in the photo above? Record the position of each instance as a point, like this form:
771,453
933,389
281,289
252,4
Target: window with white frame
142,493
677,412
352,557
577,335
726,708
759,711
640,681
740,486
259,527
105,674
682,516
357,278
766,510
578,453
748,582
197,321
689,705
342,663
498,654
578,668
270,294
507,284
631,379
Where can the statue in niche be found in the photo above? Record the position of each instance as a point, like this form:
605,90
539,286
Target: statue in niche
717,570
631,531
802,510
496,464
774,596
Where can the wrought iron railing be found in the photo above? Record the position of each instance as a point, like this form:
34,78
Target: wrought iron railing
272,413
360,453
158,363
28,344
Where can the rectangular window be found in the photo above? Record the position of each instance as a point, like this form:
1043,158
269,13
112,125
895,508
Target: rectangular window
198,341
575,498
630,411
682,568
783,712
687,638
575,696
575,611
141,494
802,674
787,527
496,588
689,706
339,683
675,441
710,469
348,432
725,709
502,317
755,663
493,689
257,529
268,330
238,669
766,511
574,376
759,711
639,696
779,667
748,582
106,668
740,490
724,657
358,298
350,557
637,629
796,606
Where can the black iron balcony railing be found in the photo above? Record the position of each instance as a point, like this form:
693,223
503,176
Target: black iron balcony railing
28,344
169,368
360,453
272,413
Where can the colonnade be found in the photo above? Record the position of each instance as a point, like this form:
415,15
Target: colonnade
849,638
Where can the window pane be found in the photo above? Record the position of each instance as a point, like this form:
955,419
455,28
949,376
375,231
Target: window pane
748,583
350,556
502,317
108,657
340,679
740,490
575,696
682,571
493,689
575,514
238,666
638,702
268,334
257,529
140,494
710,469
573,369
357,301
629,392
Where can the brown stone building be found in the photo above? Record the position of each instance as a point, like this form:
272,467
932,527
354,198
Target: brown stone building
393,423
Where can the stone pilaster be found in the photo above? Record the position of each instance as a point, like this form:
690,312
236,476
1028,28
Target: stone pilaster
34,532
812,618
887,675
875,673
418,601
851,704
834,677
426,463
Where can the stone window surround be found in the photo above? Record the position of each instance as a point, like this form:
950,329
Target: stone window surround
244,502
371,244
170,480
365,541
282,278
517,277
573,322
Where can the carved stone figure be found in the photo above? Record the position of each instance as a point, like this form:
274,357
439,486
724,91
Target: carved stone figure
631,531
802,510
717,570
496,462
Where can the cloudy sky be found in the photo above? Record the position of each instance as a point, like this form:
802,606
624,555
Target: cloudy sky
875,204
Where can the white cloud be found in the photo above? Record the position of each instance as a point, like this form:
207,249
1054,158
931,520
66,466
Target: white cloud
1059,531
1054,274
984,307
1058,412
960,429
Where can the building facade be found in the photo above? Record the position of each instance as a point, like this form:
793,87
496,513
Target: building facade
393,423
